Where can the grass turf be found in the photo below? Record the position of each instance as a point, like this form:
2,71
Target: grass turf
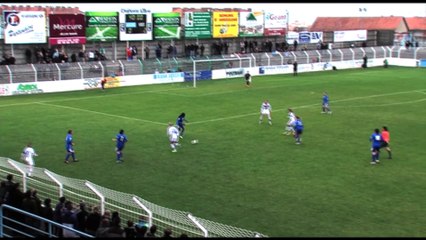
241,173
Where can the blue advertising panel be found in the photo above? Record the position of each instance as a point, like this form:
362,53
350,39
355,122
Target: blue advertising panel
200,75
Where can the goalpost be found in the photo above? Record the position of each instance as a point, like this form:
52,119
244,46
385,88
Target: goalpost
240,62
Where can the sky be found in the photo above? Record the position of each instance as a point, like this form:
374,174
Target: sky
301,12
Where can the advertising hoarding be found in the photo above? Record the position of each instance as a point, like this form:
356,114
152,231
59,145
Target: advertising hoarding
275,23
101,26
251,24
225,24
198,24
166,25
67,29
24,27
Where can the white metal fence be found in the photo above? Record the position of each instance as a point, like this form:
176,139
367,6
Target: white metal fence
130,207
99,69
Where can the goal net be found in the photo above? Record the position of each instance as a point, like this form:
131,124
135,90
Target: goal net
237,63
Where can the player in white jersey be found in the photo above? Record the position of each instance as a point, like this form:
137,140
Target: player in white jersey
291,120
28,155
173,134
265,110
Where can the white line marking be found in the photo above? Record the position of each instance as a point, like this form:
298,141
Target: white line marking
205,121
100,96
101,113
382,105
309,105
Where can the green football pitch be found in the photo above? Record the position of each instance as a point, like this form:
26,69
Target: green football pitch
242,173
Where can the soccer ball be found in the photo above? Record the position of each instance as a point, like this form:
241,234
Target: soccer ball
194,141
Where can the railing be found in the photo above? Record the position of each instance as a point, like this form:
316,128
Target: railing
10,226
86,70
130,207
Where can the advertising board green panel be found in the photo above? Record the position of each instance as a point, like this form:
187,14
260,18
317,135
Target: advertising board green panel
166,25
198,24
101,26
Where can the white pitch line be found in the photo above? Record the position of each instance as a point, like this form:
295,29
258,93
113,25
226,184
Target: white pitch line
382,105
101,113
211,120
91,97
311,105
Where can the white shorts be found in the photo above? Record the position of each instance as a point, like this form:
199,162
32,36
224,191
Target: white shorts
30,161
174,138
265,112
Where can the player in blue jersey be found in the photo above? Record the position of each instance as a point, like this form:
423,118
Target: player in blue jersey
298,130
376,142
180,122
69,147
120,140
325,103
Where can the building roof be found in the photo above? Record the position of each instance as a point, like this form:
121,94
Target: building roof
416,23
47,9
356,23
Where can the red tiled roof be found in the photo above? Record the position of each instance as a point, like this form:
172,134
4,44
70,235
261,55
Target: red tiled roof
355,23
48,9
416,23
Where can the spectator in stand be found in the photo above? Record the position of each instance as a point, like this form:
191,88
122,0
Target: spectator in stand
37,200
141,231
167,233
129,54
3,191
29,205
93,221
57,214
46,212
81,56
146,52
8,59
295,43
28,56
73,57
91,56
103,228
69,218
152,231
82,217
202,50
134,52
130,231
115,230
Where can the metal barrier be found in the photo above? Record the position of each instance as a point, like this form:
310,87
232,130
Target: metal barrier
83,70
33,227
130,207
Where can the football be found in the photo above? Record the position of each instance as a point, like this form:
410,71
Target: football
194,141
